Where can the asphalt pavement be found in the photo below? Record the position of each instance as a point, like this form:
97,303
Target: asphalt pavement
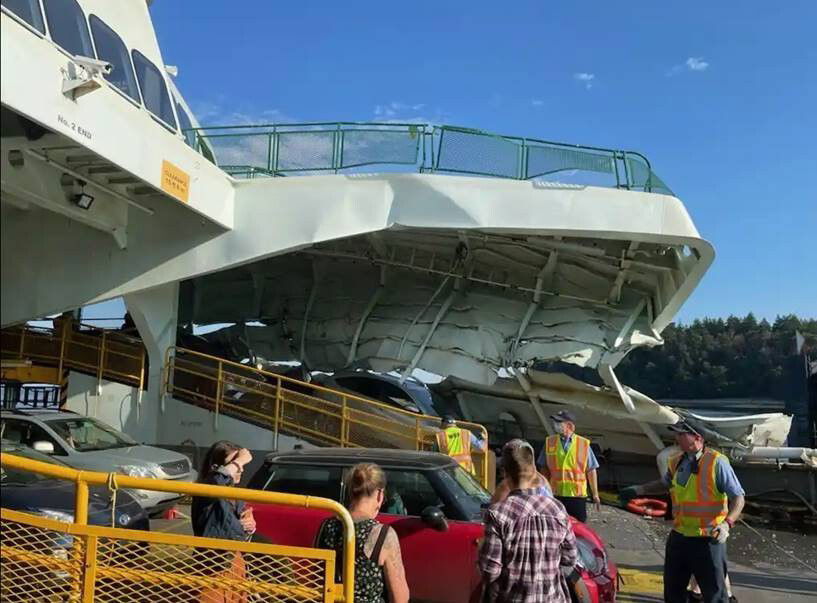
765,565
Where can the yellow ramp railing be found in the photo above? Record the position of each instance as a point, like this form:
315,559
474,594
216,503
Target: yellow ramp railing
318,414
102,353
48,560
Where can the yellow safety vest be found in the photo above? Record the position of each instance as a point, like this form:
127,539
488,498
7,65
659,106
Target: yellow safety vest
456,443
698,506
568,468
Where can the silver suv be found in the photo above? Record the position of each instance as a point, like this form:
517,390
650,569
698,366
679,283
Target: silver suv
87,443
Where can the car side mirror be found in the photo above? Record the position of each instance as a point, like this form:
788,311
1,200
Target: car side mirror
44,447
434,517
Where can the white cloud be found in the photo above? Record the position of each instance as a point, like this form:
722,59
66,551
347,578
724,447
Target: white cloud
697,64
537,102
585,78
691,64
223,112
394,108
408,113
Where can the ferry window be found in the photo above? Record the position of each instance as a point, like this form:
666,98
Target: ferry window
111,48
154,89
185,124
28,11
68,28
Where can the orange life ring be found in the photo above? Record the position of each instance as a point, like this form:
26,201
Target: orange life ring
647,506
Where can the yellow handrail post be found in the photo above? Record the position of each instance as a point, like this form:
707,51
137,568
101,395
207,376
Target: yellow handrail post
344,423
99,369
89,569
141,383
418,444
63,336
277,419
219,386
77,553
485,481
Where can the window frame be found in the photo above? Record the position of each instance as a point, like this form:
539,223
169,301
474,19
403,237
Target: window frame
10,13
179,112
129,57
62,49
174,127
337,485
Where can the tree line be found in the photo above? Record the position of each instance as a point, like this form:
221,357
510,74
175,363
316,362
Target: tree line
724,358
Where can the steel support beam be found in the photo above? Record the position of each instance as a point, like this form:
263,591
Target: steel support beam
609,377
365,315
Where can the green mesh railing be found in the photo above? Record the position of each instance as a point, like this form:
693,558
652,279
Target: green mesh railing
289,149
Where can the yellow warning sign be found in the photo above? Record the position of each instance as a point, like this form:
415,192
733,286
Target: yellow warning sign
175,181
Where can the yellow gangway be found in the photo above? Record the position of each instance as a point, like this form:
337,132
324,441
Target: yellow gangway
323,416
48,560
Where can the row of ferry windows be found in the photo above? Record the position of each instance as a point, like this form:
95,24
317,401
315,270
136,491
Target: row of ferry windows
69,29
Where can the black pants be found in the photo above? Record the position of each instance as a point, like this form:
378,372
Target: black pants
703,557
576,506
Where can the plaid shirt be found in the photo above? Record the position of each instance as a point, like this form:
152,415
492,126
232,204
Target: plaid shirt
527,538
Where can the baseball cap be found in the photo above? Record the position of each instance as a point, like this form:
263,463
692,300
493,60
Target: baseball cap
449,420
683,427
564,415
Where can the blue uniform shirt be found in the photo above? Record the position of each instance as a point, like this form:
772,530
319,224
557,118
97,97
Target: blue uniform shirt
725,478
592,462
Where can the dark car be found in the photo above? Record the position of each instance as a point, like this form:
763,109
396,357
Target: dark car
54,498
433,504
411,394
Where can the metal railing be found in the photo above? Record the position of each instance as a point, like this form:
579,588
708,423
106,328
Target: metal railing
44,559
307,148
318,414
101,353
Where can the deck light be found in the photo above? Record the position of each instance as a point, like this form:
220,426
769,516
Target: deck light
82,200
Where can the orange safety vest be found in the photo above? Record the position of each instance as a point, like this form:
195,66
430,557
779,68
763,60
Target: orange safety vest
568,468
456,443
698,506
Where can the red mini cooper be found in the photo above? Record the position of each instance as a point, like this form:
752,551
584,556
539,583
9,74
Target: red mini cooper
434,506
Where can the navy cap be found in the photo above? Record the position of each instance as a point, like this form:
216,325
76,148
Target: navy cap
683,427
448,420
564,415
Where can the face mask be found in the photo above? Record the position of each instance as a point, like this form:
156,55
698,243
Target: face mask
558,428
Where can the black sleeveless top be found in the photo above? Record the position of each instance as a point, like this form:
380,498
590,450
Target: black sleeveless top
370,579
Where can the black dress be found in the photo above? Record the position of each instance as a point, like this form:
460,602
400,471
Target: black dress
370,579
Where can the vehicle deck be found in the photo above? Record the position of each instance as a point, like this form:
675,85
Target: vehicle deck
760,571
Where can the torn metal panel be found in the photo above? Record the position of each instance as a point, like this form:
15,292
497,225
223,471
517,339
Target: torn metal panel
522,299
601,415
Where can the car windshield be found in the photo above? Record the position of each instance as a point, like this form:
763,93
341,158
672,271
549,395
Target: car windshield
85,434
465,490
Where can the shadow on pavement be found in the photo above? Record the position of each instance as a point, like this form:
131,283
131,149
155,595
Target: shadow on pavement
767,582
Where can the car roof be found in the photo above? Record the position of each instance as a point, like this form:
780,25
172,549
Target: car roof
39,413
386,457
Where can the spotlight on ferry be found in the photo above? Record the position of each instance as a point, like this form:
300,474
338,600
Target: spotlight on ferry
93,66
82,200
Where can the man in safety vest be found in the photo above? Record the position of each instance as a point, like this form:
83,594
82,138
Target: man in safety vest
457,443
569,464
707,499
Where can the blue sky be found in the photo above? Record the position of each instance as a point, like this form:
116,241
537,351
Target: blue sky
722,97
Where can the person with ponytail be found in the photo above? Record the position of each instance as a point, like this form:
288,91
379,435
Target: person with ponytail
379,572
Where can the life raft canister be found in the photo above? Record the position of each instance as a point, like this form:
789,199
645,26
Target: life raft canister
650,507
